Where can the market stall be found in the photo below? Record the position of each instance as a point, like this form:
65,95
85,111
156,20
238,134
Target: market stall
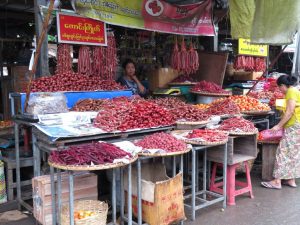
81,119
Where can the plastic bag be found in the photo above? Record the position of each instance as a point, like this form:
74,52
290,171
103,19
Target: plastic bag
46,103
271,135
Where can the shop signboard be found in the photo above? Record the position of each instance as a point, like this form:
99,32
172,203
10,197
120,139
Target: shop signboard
246,48
153,15
75,29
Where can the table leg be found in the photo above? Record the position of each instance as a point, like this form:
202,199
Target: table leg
197,170
181,170
204,173
58,174
209,174
122,195
225,176
114,203
18,176
139,192
174,166
71,197
181,164
129,206
193,183
53,196
36,157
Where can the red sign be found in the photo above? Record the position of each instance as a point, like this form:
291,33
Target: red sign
80,30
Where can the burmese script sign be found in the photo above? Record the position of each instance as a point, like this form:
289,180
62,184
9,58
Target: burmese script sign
76,29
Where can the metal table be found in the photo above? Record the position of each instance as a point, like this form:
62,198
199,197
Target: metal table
194,186
56,193
17,124
42,143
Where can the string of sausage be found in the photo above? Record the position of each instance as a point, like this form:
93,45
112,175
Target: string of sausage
84,61
64,60
185,61
105,60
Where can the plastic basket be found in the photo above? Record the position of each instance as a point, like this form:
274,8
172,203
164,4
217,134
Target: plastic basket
99,208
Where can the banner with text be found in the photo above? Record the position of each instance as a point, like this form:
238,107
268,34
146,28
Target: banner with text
76,29
154,15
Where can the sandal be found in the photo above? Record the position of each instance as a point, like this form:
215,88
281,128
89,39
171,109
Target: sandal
271,185
286,183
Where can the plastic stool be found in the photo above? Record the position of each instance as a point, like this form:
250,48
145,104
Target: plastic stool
232,192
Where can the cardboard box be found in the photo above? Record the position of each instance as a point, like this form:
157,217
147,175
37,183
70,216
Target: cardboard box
247,75
162,197
85,187
160,78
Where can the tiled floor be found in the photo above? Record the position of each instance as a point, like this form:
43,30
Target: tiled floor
272,207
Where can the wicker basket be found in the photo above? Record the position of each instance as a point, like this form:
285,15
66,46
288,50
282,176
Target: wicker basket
99,208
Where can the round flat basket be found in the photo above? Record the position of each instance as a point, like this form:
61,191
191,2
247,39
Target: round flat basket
194,142
226,116
182,83
205,142
268,142
211,94
192,123
164,154
242,133
256,113
89,168
99,210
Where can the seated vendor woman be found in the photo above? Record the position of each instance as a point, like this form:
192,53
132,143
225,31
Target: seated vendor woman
130,80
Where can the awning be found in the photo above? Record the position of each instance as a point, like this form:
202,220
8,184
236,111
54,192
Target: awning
153,15
266,22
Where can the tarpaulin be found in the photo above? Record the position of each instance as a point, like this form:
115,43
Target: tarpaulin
154,15
275,22
241,18
265,22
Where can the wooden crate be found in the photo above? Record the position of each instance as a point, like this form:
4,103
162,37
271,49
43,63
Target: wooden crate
240,149
247,75
268,159
85,187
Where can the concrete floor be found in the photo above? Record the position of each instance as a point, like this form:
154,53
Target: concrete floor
272,207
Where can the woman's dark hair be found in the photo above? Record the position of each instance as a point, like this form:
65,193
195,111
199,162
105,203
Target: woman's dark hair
287,80
126,62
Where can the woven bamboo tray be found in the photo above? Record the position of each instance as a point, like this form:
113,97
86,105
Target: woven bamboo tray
193,142
206,143
242,133
89,168
183,83
268,142
164,154
211,94
225,116
192,123
256,113
99,208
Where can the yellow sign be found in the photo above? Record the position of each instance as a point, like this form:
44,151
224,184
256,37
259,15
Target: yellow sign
245,48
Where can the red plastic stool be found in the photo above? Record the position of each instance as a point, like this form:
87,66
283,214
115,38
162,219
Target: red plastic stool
232,192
